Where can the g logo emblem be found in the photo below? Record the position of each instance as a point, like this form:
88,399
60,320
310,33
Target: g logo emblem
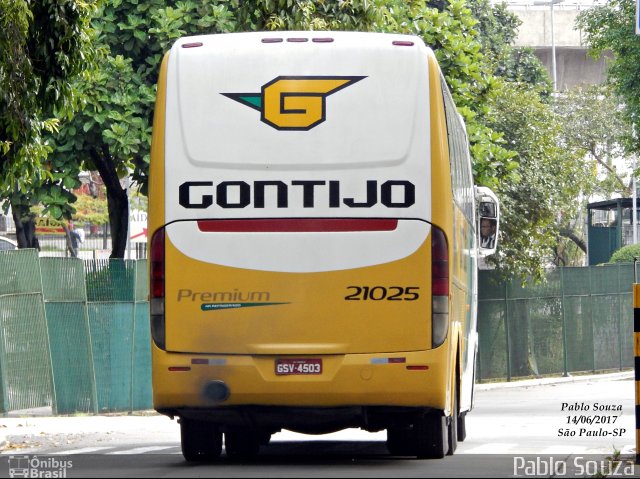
294,102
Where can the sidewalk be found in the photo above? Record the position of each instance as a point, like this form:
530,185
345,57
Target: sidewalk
555,380
40,422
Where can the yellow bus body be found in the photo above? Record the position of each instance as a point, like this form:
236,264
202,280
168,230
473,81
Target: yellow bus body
230,327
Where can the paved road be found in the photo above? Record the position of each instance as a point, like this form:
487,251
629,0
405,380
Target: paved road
550,420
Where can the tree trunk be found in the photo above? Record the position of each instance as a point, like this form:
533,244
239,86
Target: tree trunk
117,202
573,236
25,226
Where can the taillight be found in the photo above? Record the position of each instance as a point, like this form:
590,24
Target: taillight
156,286
402,43
439,263
439,287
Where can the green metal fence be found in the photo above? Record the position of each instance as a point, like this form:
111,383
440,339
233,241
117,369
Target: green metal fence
65,302
25,359
74,334
579,319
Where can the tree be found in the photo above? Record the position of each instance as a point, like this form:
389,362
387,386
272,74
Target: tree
497,31
42,46
550,178
595,125
113,131
613,114
527,247
90,210
112,134
611,27
595,128
469,75
626,254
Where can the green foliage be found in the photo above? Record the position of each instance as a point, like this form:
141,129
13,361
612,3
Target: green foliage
497,29
595,127
114,128
468,73
91,210
611,27
135,36
626,254
113,131
474,50
614,114
535,208
115,119
547,184
42,46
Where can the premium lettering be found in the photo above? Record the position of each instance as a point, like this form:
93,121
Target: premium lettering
222,296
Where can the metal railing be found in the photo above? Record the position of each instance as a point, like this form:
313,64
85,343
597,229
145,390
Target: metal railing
579,319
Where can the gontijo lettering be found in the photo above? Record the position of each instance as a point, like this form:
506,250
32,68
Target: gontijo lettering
240,194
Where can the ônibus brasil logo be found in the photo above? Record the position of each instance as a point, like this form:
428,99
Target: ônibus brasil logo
294,102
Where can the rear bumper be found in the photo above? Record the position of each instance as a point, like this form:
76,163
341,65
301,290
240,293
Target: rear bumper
354,380
305,420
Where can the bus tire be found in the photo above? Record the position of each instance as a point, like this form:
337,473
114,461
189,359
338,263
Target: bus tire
462,427
432,436
400,441
242,443
426,438
452,428
201,441
264,438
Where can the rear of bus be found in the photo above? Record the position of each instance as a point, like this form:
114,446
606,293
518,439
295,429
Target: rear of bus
300,209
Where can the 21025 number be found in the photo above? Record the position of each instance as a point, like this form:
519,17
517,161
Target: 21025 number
380,293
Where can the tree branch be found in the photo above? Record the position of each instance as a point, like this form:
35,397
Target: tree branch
609,168
573,236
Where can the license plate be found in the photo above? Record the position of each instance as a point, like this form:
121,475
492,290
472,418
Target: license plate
285,367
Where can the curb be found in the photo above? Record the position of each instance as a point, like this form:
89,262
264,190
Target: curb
555,380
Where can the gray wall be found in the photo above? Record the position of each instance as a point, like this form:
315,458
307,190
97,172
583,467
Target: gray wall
573,65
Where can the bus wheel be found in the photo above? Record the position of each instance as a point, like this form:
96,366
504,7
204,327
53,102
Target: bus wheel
264,438
462,427
200,440
242,442
400,441
452,431
427,438
432,436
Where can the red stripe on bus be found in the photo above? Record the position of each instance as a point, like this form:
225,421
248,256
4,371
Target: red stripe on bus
310,225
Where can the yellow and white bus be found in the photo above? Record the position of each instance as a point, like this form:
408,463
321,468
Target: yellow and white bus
314,244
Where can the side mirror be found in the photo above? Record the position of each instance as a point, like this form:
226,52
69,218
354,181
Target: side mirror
488,217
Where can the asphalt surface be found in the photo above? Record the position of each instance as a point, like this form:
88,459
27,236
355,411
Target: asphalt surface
40,421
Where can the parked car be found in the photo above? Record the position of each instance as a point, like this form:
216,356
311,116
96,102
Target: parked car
6,243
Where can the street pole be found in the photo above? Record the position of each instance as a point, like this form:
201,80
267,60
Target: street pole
128,188
554,73
553,51
634,210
